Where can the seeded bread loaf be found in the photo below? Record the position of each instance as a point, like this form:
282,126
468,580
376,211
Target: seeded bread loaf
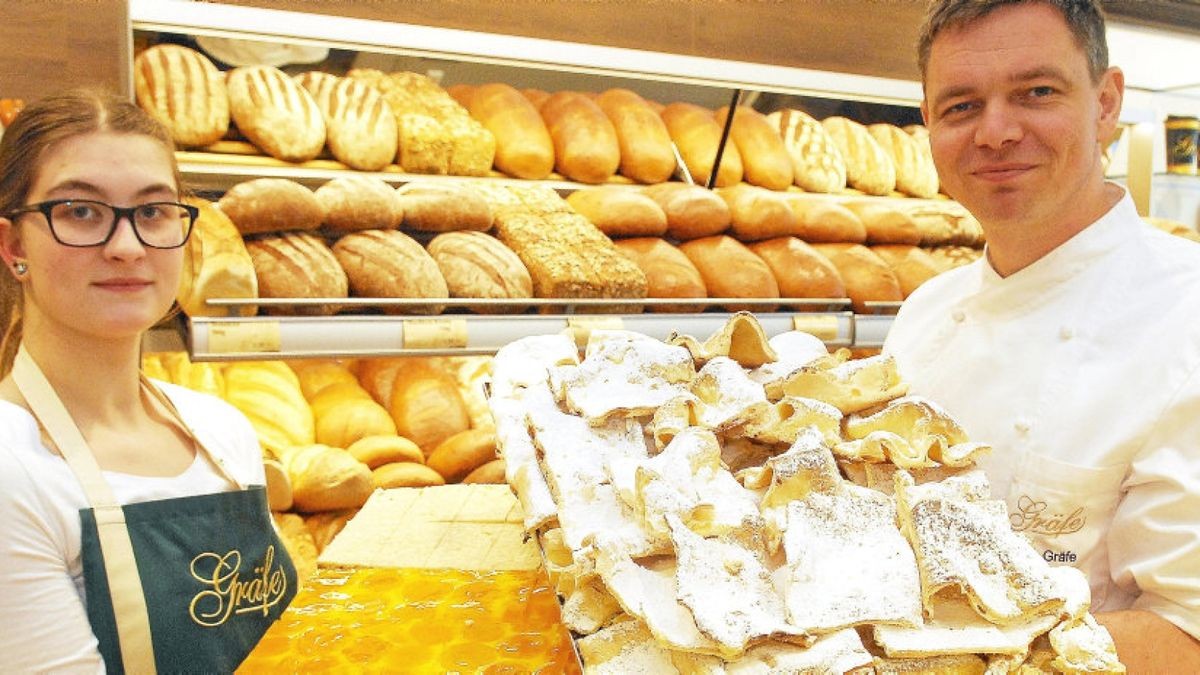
182,89
296,265
390,264
275,113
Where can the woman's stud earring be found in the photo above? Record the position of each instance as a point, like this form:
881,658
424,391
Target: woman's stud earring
20,267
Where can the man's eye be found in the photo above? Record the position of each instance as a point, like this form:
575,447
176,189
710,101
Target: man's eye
1040,92
957,109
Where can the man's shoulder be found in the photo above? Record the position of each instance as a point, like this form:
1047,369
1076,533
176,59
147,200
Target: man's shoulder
941,291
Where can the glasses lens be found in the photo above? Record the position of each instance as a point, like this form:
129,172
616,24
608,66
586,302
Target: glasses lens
88,223
81,223
163,224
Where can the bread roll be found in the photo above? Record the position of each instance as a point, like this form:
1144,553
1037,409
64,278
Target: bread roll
360,127
692,211
462,453
326,479
271,205
279,487
758,213
764,156
315,375
585,142
799,269
619,211
825,221
343,422
523,145
390,264
492,472
868,166
295,265
378,375
911,265
275,113
405,475
443,206
215,265
375,451
182,89
866,276
426,406
646,153
817,164
351,203
915,173
730,270
463,93
697,135
885,224
477,265
669,273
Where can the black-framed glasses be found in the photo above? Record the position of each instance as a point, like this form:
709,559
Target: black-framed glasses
85,222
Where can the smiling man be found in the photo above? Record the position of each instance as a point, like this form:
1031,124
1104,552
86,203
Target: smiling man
1072,346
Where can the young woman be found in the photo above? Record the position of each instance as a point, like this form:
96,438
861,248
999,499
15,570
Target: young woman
134,531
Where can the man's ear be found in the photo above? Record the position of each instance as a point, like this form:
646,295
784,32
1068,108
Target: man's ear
1111,94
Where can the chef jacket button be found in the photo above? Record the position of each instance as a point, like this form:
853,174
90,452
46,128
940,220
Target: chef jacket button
958,315
1065,333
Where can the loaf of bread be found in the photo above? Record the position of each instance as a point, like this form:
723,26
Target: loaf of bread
390,264
182,89
317,374
279,486
360,128
585,142
215,265
692,211
462,453
426,405
275,113
523,145
944,223
296,265
463,93
268,394
351,203
799,269
646,153
866,276
327,479
669,273
620,211
696,134
885,223
375,451
817,164
266,205
477,265
915,173
822,220
758,213
730,270
764,156
921,135
868,167
443,206
406,475
345,413
911,265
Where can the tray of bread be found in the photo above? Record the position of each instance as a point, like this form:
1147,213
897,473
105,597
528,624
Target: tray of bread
745,505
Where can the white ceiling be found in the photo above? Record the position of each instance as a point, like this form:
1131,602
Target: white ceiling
1156,59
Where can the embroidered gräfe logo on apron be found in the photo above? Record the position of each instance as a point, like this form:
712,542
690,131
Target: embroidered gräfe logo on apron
1031,516
227,594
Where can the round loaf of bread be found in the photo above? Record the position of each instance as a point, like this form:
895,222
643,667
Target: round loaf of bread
669,273
359,125
692,211
326,479
405,475
182,89
491,473
296,265
390,264
444,206
911,265
462,453
271,205
345,421
866,276
619,211
821,220
477,265
758,213
375,451
799,269
730,270
275,113
351,203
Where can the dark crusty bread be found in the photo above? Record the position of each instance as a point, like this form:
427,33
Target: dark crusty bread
296,265
271,205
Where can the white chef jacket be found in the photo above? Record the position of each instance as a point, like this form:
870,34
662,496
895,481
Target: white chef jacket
1083,372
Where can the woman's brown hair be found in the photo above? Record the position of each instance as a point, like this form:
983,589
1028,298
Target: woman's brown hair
38,127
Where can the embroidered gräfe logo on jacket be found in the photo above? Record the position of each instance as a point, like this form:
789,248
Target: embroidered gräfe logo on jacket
1032,516
227,594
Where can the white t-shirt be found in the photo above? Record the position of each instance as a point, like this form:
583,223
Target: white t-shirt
45,625
1083,372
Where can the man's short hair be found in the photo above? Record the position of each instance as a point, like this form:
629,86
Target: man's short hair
1083,17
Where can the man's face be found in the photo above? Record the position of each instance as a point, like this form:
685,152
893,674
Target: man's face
1015,120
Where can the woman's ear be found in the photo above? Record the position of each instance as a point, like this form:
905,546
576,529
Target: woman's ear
12,250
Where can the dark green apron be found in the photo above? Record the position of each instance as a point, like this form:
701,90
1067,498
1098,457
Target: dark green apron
197,580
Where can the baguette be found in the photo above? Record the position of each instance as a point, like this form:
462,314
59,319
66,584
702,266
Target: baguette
697,136
585,143
645,144
764,156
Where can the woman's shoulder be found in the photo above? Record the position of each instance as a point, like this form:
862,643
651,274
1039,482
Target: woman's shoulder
220,426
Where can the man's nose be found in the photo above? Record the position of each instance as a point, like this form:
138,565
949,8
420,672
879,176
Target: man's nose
998,125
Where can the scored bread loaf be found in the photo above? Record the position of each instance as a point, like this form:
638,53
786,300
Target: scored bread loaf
921,135
266,205
799,269
697,135
620,211
296,265
817,164
765,158
866,276
758,213
585,142
426,405
886,224
390,264
822,220
462,453
182,89
275,113
477,265
646,153
215,265
868,167
692,211
351,203
360,128
730,270
326,479
911,265
524,148
443,207
669,273
915,173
